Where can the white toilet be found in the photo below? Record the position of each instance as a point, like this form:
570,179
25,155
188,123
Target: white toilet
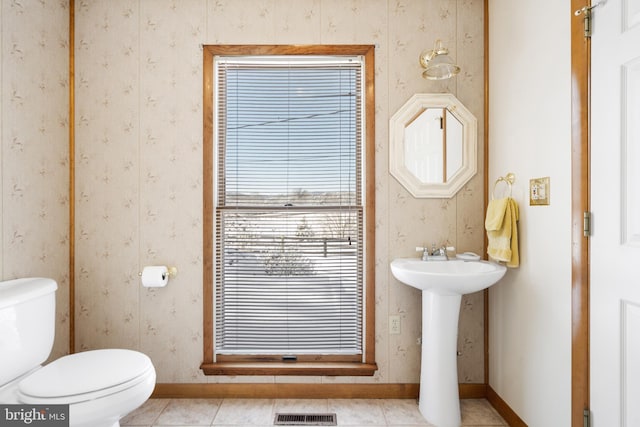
100,386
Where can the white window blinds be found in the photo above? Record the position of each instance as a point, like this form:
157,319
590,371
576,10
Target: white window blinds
289,205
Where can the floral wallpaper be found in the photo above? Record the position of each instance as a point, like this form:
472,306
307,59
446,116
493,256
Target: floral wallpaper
138,95
34,154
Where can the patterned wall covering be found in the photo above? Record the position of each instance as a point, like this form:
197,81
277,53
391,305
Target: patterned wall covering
139,164
34,160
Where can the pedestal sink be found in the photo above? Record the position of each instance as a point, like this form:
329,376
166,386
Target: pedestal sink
442,284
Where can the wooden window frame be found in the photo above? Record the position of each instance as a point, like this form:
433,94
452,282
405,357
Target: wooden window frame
312,364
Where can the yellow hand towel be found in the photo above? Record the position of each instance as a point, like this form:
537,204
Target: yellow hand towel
515,216
501,224
495,214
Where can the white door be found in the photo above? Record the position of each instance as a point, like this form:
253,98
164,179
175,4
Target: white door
615,203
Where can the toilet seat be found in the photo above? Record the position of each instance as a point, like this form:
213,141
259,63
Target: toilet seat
85,376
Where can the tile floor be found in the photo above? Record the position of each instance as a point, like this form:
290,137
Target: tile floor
261,412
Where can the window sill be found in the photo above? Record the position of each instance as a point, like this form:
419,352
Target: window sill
290,368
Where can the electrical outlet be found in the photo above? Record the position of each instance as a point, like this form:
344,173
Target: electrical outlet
539,189
394,325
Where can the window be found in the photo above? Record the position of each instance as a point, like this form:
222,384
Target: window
288,206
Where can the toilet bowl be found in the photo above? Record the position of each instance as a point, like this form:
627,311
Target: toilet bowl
100,386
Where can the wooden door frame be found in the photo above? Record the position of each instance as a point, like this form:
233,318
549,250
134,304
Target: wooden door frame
580,181
72,179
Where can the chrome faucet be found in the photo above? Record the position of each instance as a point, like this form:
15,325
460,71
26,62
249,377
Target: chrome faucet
436,254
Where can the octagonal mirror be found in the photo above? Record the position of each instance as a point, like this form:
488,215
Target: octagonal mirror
433,140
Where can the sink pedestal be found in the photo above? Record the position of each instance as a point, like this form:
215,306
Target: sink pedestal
442,284
439,400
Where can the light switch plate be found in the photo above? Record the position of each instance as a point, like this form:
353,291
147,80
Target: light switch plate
539,191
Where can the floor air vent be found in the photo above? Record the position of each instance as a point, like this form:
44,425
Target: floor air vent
305,420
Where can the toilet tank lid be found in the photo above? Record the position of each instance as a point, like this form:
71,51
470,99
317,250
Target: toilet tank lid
16,291
86,372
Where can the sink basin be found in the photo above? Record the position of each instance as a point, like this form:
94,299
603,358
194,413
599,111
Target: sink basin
442,284
455,277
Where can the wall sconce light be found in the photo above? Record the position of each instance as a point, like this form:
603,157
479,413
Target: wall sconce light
437,64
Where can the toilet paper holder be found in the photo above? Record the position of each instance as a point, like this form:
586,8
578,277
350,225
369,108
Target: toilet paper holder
171,272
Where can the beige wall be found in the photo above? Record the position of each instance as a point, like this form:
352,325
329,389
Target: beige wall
530,135
34,160
139,164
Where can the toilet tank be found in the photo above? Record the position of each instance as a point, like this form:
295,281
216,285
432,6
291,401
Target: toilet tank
27,325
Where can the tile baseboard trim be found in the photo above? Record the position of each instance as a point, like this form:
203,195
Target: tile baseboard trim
303,391
504,409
